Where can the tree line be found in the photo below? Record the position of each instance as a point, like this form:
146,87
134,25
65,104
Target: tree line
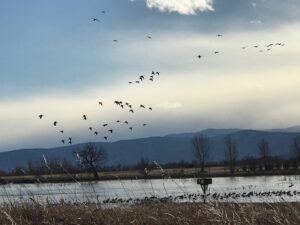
91,158
202,150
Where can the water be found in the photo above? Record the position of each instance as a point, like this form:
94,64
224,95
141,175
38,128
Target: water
264,189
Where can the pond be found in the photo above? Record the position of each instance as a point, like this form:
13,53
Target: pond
237,189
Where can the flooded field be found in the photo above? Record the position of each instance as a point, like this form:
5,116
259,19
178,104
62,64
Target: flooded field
238,189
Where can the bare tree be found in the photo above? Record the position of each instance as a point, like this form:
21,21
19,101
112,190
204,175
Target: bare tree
264,152
295,148
231,153
91,156
201,147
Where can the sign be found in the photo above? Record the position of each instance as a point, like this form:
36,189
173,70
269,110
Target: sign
204,182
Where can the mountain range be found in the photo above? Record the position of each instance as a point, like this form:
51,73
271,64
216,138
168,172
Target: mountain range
170,148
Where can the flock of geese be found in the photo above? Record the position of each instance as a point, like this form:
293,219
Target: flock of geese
196,197
139,80
262,48
109,127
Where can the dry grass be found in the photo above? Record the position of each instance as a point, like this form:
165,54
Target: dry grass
151,213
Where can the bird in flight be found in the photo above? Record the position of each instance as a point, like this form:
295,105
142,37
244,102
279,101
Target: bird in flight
96,132
150,108
84,117
90,128
63,141
131,110
95,19
219,35
142,78
118,102
126,122
105,125
199,56
103,11
144,124
149,37
216,52
100,103
256,46
55,123
111,131
130,128
142,106
129,82
62,131
118,121
157,73
115,40
137,82
41,116
105,137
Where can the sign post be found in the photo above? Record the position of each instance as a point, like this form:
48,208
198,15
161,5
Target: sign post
204,182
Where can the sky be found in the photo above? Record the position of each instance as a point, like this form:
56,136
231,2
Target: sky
56,61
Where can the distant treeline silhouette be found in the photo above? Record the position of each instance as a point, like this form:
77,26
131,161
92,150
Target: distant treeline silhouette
91,159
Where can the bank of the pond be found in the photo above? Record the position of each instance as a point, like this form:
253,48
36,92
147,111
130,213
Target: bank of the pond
134,174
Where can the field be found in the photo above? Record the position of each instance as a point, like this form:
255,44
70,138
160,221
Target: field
152,213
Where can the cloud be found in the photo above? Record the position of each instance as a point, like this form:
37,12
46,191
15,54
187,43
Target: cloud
256,22
184,7
169,105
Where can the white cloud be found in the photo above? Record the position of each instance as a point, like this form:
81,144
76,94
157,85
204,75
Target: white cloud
184,7
169,105
256,22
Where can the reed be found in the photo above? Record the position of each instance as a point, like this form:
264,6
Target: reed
32,213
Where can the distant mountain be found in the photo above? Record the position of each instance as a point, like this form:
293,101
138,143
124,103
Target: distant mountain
294,129
211,132
171,148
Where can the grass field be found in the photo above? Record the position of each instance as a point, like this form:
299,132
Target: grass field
151,213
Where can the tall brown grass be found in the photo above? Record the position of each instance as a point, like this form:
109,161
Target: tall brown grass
152,213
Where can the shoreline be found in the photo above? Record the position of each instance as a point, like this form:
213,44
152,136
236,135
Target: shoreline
136,175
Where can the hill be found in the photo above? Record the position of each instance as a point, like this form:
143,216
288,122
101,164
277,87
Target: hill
170,148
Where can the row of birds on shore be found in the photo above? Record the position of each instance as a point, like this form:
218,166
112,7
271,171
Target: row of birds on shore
195,197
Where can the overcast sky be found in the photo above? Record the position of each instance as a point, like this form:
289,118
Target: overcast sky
54,60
